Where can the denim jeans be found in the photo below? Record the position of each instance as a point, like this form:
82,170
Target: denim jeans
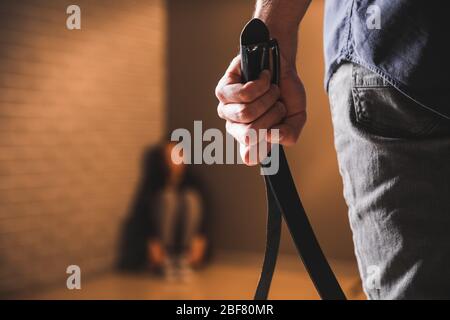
394,159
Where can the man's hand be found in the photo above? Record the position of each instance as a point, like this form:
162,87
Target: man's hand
261,105
258,104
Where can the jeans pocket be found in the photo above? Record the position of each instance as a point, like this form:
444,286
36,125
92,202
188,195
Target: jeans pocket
383,110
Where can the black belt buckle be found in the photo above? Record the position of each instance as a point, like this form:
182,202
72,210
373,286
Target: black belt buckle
259,52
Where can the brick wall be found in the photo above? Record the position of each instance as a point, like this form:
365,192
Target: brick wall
76,110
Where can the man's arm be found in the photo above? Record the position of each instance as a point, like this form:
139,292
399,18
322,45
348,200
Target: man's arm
259,104
283,18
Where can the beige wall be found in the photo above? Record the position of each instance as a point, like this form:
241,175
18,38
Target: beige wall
76,110
204,36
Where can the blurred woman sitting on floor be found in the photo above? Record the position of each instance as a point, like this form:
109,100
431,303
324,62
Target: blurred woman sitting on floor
166,229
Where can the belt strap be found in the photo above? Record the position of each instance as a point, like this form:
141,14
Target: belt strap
283,200
282,197
273,236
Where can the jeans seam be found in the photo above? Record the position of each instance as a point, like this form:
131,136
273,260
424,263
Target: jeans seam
362,121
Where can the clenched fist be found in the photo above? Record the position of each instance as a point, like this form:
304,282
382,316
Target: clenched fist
259,105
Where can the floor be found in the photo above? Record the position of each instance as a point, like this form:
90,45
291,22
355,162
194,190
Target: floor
230,277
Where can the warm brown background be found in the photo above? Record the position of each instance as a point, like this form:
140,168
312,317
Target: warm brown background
77,109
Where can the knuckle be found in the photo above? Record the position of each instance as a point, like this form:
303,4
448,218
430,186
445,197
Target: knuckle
245,94
245,113
219,111
254,90
219,92
228,127
261,105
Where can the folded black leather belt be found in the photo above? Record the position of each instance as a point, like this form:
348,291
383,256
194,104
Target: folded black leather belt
260,52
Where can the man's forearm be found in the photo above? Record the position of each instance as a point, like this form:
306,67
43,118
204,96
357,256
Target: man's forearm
283,18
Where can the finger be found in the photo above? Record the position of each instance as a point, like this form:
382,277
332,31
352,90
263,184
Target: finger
249,134
220,108
232,76
272,117
289,130
246,113
255,154
254,89
231,90
235,67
